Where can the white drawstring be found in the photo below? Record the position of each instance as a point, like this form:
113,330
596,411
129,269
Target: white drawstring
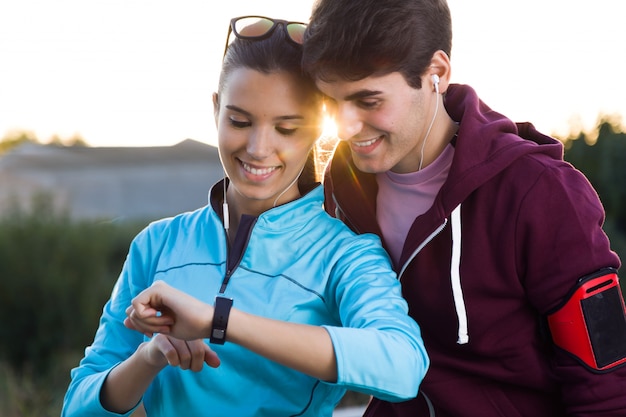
431,409
455,276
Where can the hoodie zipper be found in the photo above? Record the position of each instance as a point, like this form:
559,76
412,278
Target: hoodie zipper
421,246
457,291
339,211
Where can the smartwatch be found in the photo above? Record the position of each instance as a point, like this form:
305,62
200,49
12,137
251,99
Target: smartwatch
220,319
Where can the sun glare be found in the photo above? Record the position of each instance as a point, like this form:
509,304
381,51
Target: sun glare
329,127
325,145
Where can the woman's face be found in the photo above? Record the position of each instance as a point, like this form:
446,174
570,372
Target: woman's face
266,125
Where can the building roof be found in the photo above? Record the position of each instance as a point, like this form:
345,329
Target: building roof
110,182
52,157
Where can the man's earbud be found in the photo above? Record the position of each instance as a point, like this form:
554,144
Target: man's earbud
436,82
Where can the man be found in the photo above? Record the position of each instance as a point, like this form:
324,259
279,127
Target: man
496,240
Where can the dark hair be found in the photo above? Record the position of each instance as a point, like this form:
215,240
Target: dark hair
269,55
272,54
354,39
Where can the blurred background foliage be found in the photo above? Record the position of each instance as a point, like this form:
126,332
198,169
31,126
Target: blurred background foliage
56,274
18,137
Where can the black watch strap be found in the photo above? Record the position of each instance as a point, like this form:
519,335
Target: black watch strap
220,319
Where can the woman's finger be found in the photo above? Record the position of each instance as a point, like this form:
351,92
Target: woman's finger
182,352
210,357
167,349
148,333
148,324
197,349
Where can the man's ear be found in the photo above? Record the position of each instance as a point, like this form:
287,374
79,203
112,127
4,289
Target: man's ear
440,66
216,107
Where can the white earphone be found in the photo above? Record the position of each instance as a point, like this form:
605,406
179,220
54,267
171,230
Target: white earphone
436,82
435,79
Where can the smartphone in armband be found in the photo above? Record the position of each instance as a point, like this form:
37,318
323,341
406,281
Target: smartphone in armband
591,323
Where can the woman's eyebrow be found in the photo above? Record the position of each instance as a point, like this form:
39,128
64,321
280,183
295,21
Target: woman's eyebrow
291,117
238,109
248,114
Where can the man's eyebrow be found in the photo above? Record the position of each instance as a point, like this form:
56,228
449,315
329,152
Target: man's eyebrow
248,114
362,94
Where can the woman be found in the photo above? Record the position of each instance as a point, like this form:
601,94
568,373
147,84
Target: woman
306,308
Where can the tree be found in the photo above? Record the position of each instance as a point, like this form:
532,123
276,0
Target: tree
75,140
16,138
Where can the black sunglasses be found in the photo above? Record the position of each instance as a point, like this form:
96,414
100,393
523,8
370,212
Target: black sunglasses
261,27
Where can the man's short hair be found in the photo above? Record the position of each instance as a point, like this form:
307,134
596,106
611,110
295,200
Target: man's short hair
354,39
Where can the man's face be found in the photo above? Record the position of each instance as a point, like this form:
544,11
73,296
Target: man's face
383,119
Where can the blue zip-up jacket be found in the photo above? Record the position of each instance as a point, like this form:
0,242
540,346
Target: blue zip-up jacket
298,265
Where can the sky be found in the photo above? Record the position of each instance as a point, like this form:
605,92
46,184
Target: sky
141,72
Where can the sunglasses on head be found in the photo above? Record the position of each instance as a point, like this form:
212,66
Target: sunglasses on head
261,27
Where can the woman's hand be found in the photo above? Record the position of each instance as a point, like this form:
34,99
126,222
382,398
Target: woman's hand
164,350
127,383
165,309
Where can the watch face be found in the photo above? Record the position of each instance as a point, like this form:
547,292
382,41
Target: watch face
218,334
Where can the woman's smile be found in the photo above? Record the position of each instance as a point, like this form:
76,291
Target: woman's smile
256,171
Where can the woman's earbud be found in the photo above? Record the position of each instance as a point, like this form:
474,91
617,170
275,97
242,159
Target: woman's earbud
435,78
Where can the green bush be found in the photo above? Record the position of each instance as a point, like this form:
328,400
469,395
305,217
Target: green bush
31,393
56,274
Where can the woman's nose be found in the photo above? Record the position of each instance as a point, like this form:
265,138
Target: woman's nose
260,144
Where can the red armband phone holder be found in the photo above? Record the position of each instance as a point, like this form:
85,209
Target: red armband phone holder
591,324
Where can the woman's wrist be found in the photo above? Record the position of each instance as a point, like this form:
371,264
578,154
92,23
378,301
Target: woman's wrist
151,355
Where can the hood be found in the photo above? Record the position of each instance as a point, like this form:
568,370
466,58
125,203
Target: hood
487,143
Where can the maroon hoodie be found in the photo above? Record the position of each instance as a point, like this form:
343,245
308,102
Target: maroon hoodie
527,227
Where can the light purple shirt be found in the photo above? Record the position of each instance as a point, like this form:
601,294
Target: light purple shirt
403,197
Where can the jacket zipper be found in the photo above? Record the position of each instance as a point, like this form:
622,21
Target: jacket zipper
230,271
